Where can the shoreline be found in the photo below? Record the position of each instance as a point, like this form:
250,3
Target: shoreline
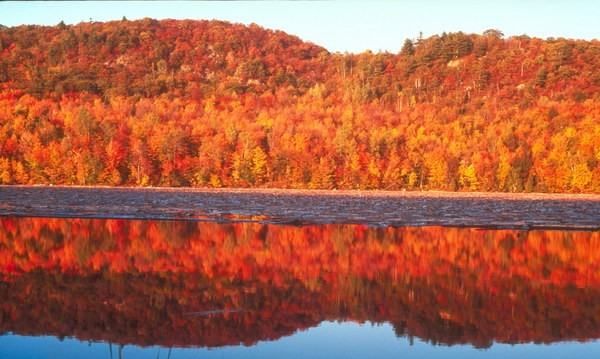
307,207
335,192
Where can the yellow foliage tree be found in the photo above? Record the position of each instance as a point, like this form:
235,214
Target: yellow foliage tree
581,177
467,177
259,165
437,170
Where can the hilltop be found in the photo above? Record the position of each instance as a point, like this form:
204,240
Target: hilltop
150,57
209,103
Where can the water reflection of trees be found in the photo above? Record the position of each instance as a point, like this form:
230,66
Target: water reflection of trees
185,283
120,347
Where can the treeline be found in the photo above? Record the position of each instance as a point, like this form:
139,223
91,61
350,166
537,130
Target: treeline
198,103
148,283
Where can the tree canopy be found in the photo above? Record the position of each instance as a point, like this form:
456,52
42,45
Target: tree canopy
208,103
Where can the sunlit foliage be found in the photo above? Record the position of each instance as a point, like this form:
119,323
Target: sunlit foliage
212,104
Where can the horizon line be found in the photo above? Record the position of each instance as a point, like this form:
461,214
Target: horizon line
247,25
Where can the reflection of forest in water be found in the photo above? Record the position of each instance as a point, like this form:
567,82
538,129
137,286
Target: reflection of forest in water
207,284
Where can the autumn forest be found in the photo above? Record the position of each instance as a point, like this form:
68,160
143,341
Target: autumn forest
215,104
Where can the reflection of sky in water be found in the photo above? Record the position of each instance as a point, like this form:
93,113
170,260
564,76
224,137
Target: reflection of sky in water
328,340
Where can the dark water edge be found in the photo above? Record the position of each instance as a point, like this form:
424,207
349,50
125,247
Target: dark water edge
519,211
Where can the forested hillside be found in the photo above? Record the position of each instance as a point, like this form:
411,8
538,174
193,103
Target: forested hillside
209,103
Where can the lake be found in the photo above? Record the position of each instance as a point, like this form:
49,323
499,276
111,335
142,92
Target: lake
125,288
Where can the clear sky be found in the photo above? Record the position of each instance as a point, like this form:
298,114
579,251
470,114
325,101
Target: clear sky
351,26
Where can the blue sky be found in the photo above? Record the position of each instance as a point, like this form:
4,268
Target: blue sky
351,26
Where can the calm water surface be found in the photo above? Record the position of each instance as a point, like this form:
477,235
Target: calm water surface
99,288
